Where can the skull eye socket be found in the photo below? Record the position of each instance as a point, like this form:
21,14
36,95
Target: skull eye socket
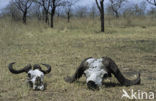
105,75
29,75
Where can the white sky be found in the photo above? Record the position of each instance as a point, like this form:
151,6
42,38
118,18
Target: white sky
3,3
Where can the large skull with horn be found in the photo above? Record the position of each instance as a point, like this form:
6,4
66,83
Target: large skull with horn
96,70
35,74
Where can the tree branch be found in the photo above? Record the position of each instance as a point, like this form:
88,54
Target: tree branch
98,5
153,3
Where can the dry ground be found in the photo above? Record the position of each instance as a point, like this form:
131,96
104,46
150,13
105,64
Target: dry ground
133,48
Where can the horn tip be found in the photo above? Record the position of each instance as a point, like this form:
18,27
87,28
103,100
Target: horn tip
139,74
139,82
13,63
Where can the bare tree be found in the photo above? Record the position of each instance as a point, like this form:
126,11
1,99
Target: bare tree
58,11
93,11
153,2
52,12
23,6
138,11
100,6
53,5
35,11
81,11
68,8
46,6
135,10
12,11
116,5
152,12
109,10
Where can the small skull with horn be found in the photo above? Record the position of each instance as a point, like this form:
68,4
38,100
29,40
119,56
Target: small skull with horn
35,74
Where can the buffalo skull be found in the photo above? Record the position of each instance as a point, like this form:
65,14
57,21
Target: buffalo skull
35,74
96,70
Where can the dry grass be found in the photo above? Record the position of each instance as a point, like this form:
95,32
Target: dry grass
64,47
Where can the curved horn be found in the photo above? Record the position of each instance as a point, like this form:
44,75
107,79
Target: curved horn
12,70
113,68
78,73
48,69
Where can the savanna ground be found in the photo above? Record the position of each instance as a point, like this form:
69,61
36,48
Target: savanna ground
131,44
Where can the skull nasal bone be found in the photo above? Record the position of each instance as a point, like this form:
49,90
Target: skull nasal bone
92,86
38,81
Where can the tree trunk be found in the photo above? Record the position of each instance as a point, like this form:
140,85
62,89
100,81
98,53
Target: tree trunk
52,23
116,14
102,17
46,16
68,16
25,17
52,16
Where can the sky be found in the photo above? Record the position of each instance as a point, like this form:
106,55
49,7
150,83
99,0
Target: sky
4,3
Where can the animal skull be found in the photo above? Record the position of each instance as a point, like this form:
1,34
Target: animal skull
96,70
35,75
